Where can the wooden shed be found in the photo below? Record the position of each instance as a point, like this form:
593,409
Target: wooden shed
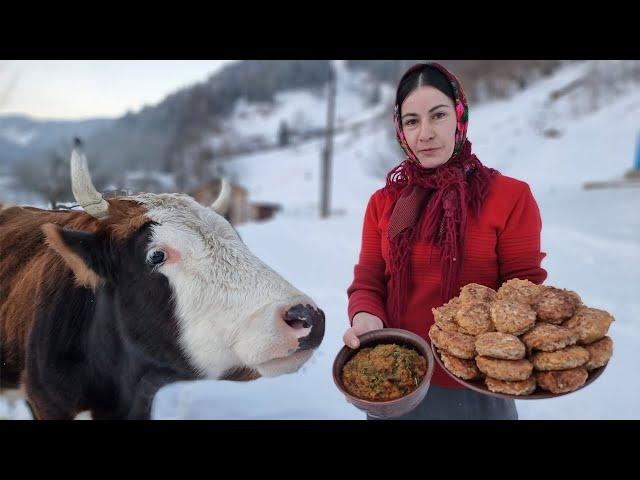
239,210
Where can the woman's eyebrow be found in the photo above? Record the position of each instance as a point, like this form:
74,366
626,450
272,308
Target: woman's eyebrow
430,111
436,107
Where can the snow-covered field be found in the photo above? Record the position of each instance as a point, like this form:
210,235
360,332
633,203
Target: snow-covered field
591,237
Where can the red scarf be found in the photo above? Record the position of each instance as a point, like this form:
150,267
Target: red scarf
430,205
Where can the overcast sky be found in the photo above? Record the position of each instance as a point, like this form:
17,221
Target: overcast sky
78,89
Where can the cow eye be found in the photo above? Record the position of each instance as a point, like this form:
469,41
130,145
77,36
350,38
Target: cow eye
156,257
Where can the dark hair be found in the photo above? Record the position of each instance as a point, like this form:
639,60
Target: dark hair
425,76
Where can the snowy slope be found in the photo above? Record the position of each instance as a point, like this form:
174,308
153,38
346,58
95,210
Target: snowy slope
304,110
592,146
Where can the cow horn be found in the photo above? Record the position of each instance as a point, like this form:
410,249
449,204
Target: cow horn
221,204
83,190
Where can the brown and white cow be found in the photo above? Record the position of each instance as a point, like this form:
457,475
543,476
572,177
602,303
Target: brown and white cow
101,308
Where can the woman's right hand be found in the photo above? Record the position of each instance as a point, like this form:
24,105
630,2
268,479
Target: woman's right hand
363,322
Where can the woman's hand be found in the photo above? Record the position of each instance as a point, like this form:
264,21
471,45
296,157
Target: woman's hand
363,322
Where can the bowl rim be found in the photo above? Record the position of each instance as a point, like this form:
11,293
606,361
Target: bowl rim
480,387
370,337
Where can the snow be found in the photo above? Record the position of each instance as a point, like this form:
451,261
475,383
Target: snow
17,136
591,237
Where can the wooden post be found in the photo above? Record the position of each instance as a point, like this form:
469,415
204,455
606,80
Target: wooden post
636,165
327,152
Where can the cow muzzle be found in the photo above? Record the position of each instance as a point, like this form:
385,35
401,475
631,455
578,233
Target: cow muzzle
310,317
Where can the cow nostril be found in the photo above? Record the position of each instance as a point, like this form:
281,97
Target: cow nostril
297,324
300,316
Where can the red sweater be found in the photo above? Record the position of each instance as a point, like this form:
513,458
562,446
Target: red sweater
503,243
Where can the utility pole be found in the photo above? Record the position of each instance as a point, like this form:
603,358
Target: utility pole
327,152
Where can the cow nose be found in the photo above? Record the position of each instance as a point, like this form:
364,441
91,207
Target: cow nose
306,316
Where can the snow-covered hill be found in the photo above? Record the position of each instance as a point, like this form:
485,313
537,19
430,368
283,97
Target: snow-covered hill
21,136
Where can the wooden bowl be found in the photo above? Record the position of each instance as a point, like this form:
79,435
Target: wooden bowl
538,394
390,408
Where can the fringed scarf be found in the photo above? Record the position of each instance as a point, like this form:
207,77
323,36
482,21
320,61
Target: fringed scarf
430,205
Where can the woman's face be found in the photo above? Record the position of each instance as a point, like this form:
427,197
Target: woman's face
429,125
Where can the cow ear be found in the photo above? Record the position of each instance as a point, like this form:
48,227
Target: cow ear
83,252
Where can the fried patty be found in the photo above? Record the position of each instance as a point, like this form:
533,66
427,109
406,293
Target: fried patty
474,318
465,369
512,317
500,345
444,316
576,298
476,293
590,324
599,353
569,357
554,305
562,381
455,343
522,387
516,290
548,337
507,370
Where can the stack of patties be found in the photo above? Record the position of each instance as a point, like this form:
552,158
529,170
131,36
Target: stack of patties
568,340
457,325
521,336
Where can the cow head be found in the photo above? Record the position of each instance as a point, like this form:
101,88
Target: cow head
175,275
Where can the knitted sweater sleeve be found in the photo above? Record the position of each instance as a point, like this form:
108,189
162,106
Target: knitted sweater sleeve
368,292
518,248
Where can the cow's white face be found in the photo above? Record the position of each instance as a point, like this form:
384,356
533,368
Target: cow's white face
230,306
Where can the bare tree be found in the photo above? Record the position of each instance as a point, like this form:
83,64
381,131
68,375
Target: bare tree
49,177
327,152
284,135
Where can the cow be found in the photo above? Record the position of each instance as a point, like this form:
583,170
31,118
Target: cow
101,307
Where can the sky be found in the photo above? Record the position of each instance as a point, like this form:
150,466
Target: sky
80,89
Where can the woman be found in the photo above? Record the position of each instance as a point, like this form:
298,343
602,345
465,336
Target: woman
443,220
